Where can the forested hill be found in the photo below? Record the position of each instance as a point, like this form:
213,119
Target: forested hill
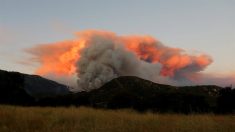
18,88
143,95
122,92
140,94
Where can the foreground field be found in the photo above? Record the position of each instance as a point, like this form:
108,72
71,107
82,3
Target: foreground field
28,119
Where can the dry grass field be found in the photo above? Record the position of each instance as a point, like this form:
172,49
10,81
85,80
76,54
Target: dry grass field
72,119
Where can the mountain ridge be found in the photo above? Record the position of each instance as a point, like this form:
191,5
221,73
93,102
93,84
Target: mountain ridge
122,92
30,86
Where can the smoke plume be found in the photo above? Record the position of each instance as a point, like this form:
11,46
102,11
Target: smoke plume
96,57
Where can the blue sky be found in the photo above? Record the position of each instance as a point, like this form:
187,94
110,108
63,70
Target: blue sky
206,26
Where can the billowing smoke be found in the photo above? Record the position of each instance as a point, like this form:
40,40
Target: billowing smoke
96,57
106,57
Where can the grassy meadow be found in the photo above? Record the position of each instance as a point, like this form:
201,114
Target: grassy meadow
82,119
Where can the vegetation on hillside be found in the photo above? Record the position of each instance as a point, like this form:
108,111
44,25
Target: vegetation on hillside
12,89
122,92
23,89
143,95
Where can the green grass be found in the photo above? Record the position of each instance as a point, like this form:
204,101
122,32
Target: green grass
72,119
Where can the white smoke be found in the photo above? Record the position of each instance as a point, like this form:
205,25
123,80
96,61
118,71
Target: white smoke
106,58
95,57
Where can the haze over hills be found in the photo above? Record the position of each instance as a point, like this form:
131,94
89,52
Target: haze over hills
121,92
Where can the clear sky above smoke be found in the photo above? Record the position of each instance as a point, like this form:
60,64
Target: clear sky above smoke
195,25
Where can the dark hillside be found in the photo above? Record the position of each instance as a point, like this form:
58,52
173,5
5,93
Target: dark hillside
23,89
140,94
122,92
12,89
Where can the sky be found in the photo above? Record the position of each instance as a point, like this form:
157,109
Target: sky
206,26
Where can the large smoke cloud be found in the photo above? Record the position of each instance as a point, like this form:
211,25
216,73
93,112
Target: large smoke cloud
98,56
105,57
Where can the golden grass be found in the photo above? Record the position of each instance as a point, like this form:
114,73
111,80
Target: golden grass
72,119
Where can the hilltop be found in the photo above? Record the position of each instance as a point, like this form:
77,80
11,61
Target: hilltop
122,92
24,89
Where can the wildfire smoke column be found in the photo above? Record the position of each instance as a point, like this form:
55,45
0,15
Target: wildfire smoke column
99,56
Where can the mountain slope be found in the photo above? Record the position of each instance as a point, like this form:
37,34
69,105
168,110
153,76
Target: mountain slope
18,88
121,92
12,89
131,85
39,87
140,94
